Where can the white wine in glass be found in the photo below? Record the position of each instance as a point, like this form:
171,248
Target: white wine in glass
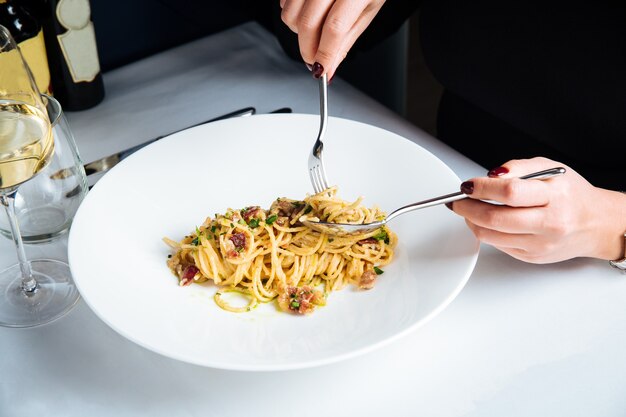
37,291
26,144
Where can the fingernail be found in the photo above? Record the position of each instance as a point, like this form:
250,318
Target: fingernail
449,205
497,172
317,69
467,187
309,66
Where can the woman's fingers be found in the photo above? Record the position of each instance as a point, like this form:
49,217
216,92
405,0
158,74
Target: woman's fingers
520,167
313,16
327,29
505,186
291,12
500,218
346,21
514,192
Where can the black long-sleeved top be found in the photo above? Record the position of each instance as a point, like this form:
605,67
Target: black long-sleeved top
525,79
521,78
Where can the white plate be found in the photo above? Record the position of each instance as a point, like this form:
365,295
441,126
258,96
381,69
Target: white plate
119,261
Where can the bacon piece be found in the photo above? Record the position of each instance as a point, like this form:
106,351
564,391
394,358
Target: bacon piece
284,207
250,213
300,300
367,280
367,241
239,240
189,273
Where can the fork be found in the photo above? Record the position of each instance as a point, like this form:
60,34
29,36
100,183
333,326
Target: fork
350,228
316,163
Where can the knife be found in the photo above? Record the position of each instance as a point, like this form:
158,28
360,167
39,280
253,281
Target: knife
102,165
108,162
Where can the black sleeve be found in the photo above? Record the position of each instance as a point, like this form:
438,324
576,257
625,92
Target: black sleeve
532,78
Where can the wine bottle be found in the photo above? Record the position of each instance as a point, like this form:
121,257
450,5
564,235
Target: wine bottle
28,35
72,51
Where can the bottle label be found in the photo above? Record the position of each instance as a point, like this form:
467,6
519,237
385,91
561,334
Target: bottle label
34,53
78,44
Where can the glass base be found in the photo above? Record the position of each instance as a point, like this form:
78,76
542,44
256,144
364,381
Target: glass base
55,295
40,225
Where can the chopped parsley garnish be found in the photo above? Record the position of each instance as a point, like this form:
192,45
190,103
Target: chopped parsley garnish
232,225
196,240
295,304
213,228
382,235
308,209
378,270
271,219
254,223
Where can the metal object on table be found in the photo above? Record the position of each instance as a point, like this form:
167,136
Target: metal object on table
346,228
316,163
108,162
96,169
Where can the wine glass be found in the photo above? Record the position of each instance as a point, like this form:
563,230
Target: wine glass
38,291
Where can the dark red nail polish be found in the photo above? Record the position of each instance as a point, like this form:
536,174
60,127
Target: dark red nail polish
449,205
318,70
497,172
467,187
309,66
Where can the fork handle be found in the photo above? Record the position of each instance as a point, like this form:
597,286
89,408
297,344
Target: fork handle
448,198
323,86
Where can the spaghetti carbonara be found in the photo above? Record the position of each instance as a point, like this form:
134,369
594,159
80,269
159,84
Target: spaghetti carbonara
270,255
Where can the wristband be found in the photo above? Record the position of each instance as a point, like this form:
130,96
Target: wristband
620,263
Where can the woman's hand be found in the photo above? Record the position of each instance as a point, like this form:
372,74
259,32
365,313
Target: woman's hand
544,221
327,29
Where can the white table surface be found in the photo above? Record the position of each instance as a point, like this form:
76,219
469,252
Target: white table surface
520,339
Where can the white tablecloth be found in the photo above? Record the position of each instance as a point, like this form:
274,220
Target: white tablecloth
520,339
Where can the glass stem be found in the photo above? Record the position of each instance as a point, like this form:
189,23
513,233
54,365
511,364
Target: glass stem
29,284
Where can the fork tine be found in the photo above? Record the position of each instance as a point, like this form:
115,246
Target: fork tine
320,178
315,179
322,175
